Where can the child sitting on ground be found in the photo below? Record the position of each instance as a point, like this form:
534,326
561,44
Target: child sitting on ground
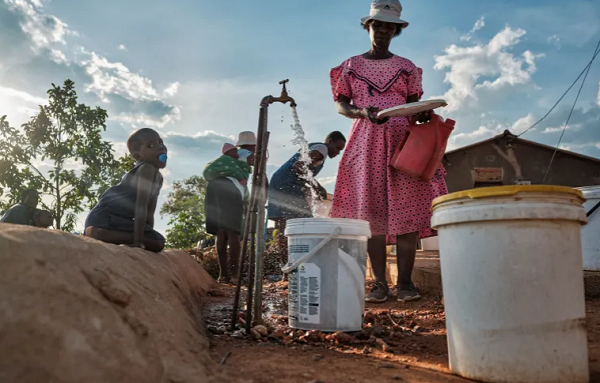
124,214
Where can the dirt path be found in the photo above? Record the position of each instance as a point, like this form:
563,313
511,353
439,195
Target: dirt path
401,342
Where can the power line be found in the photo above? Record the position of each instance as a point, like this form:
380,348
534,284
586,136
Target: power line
586,69
596,51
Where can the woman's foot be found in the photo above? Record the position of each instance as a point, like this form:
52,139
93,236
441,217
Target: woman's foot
408,293
379,293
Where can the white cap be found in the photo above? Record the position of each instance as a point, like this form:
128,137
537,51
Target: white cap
321,148
388,11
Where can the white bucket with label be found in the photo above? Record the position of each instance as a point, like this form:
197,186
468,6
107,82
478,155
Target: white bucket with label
590,238
513,283
326,265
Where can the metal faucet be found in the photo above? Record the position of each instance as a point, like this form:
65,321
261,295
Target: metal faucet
283,98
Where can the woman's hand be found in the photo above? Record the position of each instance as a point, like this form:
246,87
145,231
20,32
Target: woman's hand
345,108
423,117
321,192
370,113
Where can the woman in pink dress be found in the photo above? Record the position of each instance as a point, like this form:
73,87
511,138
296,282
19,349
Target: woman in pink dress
396,205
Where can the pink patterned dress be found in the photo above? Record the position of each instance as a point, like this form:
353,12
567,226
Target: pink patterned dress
367,187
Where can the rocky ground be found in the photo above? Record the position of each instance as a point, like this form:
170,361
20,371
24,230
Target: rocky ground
399,342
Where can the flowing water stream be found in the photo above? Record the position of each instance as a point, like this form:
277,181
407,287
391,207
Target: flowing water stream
300,139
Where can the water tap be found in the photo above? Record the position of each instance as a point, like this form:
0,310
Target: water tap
284,97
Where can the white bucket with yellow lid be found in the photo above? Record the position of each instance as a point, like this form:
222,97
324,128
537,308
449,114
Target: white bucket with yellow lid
513,283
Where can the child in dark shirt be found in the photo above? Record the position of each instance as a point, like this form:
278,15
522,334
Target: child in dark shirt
124,214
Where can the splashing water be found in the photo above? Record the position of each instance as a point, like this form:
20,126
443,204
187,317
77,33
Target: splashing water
300,139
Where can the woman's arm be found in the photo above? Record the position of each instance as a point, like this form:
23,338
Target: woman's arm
345,108
145,179
412,98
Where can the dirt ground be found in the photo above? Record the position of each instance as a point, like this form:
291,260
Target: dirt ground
401,342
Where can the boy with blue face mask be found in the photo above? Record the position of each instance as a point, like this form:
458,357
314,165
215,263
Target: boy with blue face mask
124,214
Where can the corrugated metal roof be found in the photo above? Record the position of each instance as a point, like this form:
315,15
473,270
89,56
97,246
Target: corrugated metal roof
527,142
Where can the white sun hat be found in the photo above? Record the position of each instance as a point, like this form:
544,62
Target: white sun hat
246,138
388,11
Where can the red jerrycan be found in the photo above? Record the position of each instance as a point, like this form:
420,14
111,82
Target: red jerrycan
420,152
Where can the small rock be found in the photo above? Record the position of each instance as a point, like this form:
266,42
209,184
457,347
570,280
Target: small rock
313,336
398,377
418,329
255,334
318,357
369,317
262,330
239,334
366,350
340,338
384,346
362,335
377,331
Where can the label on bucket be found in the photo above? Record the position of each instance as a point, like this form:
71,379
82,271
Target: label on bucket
305,284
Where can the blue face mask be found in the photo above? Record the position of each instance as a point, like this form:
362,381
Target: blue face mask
244,154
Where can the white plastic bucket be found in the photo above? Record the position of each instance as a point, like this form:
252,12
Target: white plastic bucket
590,238
326,265
430,244
513,283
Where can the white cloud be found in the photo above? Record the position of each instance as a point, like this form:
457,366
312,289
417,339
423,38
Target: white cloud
522,124
493,128
58,56
465,66
556,129
10,92
46,31
122,47
132,97
326,181
149,120
554,40
172,89
479,24
115,78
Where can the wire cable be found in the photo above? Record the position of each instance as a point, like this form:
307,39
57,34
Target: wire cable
586,69
596,51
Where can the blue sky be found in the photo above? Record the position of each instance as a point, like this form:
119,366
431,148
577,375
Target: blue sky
196,70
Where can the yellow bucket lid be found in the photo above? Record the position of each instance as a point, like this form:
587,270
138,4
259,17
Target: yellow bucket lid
500,191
